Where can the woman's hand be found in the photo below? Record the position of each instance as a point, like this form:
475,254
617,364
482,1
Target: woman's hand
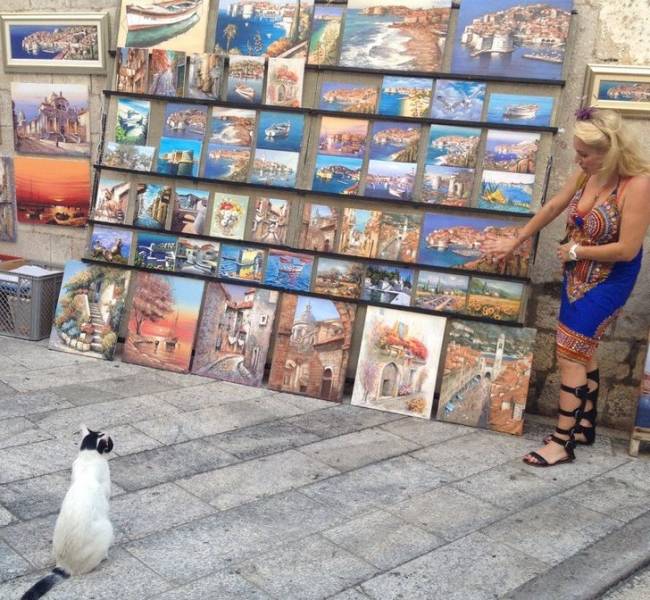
501,248
563,251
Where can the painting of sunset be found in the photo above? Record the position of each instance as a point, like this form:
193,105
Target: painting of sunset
51,191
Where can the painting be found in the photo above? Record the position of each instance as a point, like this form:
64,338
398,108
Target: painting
514,151
132,121
343,137
162,321
51,191
200,257
152,205
399,234
449,186
318,227
486,375
229,216
89,310
155,251
274,167
458,100
7,200
270,220
441,291
624,88
494,299
395,141
234,345
325,34
398,361
642,419
179,156
337,174
405,96
188,121
512,38
520,110
403,35
456,241
453,146
390,180
239,262
343,278
132,70
54,43
127,156
190,210
289,270
163,24
285,81
205,72
166,72
112,199
388,284
312,346
503,190
110,245
227,163
360,232
51,118
341,96
245,79
280,130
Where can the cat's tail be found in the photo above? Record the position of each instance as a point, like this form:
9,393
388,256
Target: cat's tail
43,586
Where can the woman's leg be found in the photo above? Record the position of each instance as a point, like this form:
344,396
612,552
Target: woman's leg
591,407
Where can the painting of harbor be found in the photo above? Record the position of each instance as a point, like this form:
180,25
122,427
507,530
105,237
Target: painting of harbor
112,199
494,299
179,156
514,151
166,72
280,130
285,81
520,110
405,96
270,220
342,137
342,278
360,232
394,141
390,180
398,361
190,210
318,227
132,70
388,284
325,34
441,291
196,256
486,375
232,126
162,321
152,205
398,236
458,100
337,174
502,190
449,186
623,90
403,35
229,215
289,270
188,121
127,156
228,163
239,262
155,251
453,146
274,167
204,76
245,79
7,200
234,333
132,121
348,97
110,245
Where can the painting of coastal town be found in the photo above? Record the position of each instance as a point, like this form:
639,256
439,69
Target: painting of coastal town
453,146
441,291
52,191
289,270
232,126
152,205
458,100
394,141
342,278
625,89
398,361
229,215
228,163
112,199
642,418
388,284
234,333
127,156
449,186
132,121
51,118
110,245
503,190
342,137
520,110
280,130
89,310
398,236
132,70
312,346
360,232
390,180
189,121
325,34
179,156
162,321
245,79
318,227
239,262
512,38
190,210
200,257
155,251
7,200
486,375
285,81
514,151
166,72
274,167
494,299
402,35
348,97
204,76
270,220
405,96
337,174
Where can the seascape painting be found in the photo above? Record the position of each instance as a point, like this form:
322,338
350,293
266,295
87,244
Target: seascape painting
270,220
285,81
343,137
398,361
343,278
280,130
166,73
360,232
245,79
394,141
152,205
289,270
453,146
190,210
132,70
155,251
337,174
229,216
325,34
458,100
232,126
128,156
494,299
179,156
390,180
274,167
234,345
520,110
200,257
388,284
132,121
227,163
112,199
348,97
405,96
240,262
7,200
399,234
188,121
110,245
318,227
514,151
502,190
486,376
205,72
449,186
441,291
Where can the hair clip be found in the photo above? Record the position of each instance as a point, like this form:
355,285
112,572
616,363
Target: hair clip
585,113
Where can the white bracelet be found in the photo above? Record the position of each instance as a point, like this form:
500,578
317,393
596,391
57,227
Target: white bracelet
573,255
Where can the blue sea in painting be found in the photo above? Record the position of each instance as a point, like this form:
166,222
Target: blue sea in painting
18,33
169,147
289,272
273,134
244,94
437,155
223,168
156,251
279,167
518,197
501,103
330,86
394,102
107,238
269,30
232,262
458,100
384,151
606,85
340,180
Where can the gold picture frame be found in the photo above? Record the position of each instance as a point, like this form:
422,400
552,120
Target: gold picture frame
624,88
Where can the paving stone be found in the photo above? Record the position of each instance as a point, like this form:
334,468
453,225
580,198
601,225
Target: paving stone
30,380
308,569
11,565
184,379
224,585
254,479
127,386
351,594
426,433
636,587
6,389
636,472
21,404
35,359
18,431
23,462
80,395
6,517
129,440
34,538
304,403
382,539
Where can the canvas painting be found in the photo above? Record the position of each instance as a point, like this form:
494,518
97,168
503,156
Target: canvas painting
51,191
190,210
642,418
337,174
89,310
512,38
280,131
229,216
390,180
514,151
245,79
343,278
155,251
406,35
166,72
494,298
388,284
441,291
179,156
205,72
152,205
312,346
196,256
51,118
318,227
325,34
398,361
132,121
285,81
394,141
450,186
348,97
239,262
110,245
234,333
360,232
126,156
132,70
399,234
274,167
232,126
502,190
163,24
486,375
405,96
453,146
520,110
189,121
7,200
227,163
623,88
289,270
162,321
343,137
270,220
112,199
458,100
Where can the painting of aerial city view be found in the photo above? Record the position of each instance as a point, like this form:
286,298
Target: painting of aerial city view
234,333
190,210
152,205
486,376
289,270
7,200
155,251
52,191
166,73
394,141
494,298
514,151
110,245
229,216
512,38
132,121
239,262
388,284
318,227
284,82
196,256
162,321
623,90
204,76
520,110
312,346
407,35
51,118
399,234
132,70
453,146
232,126
185,121
390,180
89,310
348,97
245,79
405,96
179,156
398,361
502,190
337,174
274,167
450,186
229,163
325,34
342,137
126,156
270,220
280,131
458,100
342,278
441,291
360,232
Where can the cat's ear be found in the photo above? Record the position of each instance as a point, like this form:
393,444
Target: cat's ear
104,445
84,431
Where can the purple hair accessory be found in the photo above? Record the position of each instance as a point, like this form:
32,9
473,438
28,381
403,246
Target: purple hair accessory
585,114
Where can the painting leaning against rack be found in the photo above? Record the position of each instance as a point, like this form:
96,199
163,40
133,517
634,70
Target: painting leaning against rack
619,87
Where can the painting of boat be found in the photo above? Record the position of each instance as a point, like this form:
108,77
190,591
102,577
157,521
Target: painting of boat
163,12
521,111
245,91
278,130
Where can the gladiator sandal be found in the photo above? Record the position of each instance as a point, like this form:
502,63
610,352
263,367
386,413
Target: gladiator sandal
589,431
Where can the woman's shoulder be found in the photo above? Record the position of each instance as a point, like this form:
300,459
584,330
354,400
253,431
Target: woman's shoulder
638,184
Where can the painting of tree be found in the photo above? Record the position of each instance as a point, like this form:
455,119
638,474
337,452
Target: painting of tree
153,300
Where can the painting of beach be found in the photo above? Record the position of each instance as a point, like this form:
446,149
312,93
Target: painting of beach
360,232
325,34
196,256
232,126
112,199
132,121
179,156
127,156
166,72
190,210
132,70
343,278
520,110
7,200
441,291
405,96
318,227
390,180
342,137
458,100
453,146
289,270
388,285
229,216
502,190
402,35
110,245
514,151
274,167
155,251
227,163
348,97
399,234
494,299
188,121
152,205
280,130
285,81
239,262
450,186
245,79
337,174
204,76
394,141
270,220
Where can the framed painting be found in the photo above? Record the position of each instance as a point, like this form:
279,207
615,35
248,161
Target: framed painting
74,43
625,88
7,200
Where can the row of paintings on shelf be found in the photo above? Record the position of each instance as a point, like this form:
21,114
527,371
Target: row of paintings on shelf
228,329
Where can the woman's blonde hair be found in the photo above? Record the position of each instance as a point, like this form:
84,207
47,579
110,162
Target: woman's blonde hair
606,131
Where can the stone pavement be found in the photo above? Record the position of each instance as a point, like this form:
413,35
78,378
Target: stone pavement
223,491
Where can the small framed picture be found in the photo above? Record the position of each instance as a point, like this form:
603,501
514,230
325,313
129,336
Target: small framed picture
625,88
55,43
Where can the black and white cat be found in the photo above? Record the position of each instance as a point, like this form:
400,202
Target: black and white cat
83,531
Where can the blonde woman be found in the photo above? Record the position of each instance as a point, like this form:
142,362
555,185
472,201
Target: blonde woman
608,201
